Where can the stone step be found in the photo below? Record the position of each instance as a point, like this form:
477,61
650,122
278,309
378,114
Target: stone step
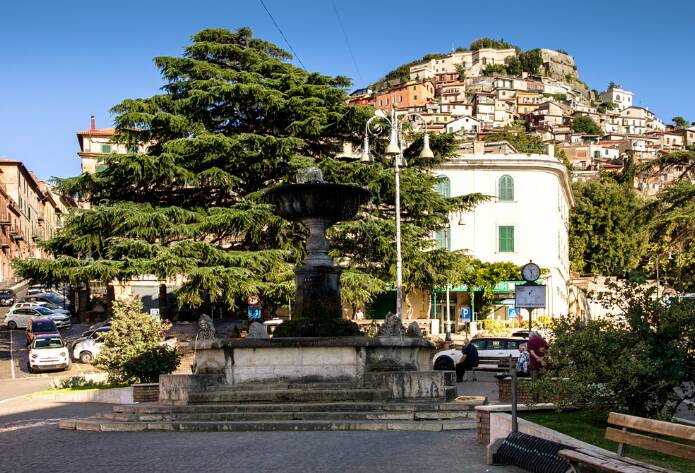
264,416
101,425
341,406
291,395
285,386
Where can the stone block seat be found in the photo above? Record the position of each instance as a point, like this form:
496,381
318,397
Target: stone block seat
347,383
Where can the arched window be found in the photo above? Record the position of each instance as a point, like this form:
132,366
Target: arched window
505,188
443,186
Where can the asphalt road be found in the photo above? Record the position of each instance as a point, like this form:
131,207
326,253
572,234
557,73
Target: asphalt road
23,431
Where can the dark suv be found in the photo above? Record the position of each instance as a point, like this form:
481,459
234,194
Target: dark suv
7,297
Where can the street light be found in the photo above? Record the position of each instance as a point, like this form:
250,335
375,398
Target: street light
395,151
447,227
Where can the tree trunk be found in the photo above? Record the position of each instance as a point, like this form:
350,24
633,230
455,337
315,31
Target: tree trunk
163,305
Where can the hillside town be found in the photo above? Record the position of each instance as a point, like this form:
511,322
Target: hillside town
475,94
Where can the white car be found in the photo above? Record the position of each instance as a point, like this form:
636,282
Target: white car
497,347
88,347
48,352
19,318
47,305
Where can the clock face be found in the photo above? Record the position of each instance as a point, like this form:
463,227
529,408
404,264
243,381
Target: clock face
530,272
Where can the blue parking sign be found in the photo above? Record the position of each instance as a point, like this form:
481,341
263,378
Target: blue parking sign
466,314
512,313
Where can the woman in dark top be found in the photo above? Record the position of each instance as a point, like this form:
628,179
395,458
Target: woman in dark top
468,361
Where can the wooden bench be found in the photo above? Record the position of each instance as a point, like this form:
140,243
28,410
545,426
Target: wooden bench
648,437
494,363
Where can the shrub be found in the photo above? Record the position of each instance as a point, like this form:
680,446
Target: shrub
147,367
633,361
133,332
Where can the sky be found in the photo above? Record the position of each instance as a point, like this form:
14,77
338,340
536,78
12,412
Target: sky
64,60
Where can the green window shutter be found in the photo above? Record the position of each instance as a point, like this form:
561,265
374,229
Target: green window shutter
443,186
506,238
505,189
105,148
100,167
443,239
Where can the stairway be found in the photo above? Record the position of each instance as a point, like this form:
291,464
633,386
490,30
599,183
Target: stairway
286,407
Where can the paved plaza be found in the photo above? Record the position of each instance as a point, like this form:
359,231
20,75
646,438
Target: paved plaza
31,440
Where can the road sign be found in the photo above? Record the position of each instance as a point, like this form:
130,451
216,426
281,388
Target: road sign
466,314
154,313
254,312
513,313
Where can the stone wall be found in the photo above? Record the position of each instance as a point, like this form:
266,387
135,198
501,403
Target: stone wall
146,392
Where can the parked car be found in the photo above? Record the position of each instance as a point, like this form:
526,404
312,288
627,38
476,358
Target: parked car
521,333
105,323
36,289
88,347
497,347
7,297
47,305
48,352
36,327
50,297
19,318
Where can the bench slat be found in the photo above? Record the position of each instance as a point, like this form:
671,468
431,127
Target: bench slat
651,443
627,460
669,429
600,463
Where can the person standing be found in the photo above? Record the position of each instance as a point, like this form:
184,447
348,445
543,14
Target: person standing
468,361
537,348
359,315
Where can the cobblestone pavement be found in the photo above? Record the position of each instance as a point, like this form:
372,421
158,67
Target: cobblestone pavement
31,441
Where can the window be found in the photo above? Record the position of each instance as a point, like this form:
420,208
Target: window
105,148
100,167
387,101
505,238
443,239
415,87
414,97
132,149
505,188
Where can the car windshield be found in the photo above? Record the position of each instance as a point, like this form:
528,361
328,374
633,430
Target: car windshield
52,298
43,310
43,326
5,292
45,342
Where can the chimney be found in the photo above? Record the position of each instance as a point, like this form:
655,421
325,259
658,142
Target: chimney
93,123
550,150
478,147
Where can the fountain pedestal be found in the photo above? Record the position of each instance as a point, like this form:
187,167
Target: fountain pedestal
318,292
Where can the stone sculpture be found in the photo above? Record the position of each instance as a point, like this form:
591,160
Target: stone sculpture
414,330
392,327
257,330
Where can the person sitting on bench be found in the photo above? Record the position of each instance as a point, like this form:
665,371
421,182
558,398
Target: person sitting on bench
468,361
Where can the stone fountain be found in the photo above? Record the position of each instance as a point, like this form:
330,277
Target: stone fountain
318,205
398,366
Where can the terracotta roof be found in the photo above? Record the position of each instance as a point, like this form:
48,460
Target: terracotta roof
98,132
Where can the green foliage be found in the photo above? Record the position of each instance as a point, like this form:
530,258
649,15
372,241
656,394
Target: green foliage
133,333
492,69
530,61
584,124
513,66
147,367
486,275
629,362
557,97
605,235
233,119
491,43
680,122
79,383
317,328
604,106
519,138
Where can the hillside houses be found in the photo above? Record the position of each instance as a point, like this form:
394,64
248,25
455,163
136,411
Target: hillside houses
454,95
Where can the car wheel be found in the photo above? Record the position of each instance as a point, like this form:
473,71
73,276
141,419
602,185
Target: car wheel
31,370
444,363
12,325
86,357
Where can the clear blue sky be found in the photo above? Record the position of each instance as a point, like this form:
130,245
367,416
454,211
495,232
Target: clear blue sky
61,61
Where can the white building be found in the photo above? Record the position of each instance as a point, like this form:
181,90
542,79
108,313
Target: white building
465,124
528,218
621,97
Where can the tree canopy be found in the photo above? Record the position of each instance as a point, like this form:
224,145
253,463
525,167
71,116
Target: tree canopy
234,118
584,124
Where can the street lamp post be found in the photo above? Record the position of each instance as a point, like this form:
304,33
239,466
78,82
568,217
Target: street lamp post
395,151
447,228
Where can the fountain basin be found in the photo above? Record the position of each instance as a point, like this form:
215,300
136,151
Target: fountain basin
317,200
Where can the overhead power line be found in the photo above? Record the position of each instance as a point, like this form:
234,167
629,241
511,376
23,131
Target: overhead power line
282,34
347,42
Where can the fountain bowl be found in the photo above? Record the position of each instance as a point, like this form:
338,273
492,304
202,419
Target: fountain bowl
323,200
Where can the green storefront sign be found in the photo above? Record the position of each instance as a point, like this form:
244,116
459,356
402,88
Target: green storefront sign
504,286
